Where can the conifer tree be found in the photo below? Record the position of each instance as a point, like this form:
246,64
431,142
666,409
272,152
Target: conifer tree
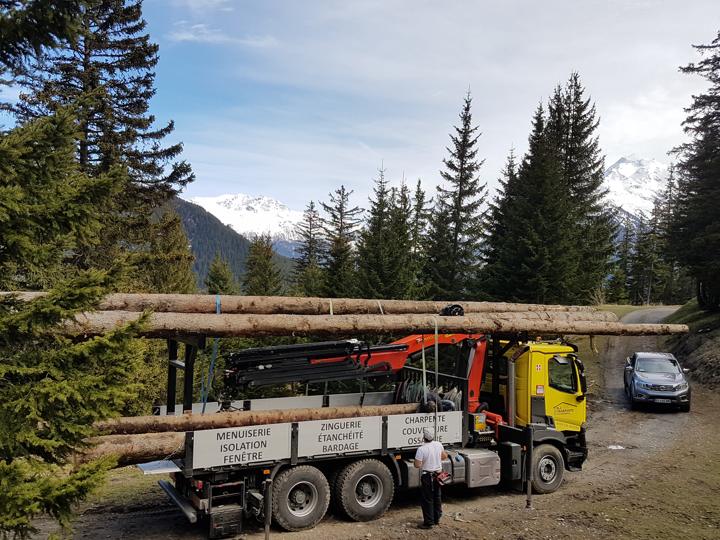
676,285
493,275
644,264
572,127
108,72
49,209
421,211
340,230
529,257
262,276
166,265
375,278
55,388
617,285
307,273
539,221
28,27
695,229
456,223
402,270
220,279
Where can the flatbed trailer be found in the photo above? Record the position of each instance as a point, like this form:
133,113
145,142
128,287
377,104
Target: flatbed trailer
291,471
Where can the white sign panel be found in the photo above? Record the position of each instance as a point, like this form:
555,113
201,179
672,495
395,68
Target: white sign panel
406,429
241,445
339,436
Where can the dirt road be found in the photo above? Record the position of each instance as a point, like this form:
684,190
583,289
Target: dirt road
661,480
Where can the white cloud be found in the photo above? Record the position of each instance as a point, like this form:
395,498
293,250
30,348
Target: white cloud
648,123
203,33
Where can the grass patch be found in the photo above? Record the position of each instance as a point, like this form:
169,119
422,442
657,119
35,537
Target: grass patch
621,309
126,486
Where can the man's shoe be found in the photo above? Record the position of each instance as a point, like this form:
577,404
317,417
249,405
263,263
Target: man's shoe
425,526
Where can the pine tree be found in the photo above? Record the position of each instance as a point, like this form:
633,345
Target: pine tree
529,258
421,211
402,269
676,284
107,75
572,125
220,279
616,289
166,265
54,389
340,230
307,273
695,229
456,224
644,264
49,209
375,278
28,27
108,72
493,275
262,276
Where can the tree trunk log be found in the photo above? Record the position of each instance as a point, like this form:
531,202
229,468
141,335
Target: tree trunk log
132,449
268,305
192,422
202,324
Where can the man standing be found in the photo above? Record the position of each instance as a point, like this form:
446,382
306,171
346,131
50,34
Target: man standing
429,458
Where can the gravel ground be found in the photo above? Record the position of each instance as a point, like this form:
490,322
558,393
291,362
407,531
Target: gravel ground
663,482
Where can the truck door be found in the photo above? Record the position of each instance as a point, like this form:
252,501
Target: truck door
564,394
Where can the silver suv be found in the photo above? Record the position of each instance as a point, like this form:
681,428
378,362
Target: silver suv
652,377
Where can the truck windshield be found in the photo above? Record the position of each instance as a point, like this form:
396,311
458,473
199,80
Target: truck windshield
657,365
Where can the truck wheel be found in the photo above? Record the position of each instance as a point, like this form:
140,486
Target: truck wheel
364,489
300,498
548,468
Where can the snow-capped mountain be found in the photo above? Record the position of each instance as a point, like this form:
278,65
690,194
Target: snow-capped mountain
634,182
252,216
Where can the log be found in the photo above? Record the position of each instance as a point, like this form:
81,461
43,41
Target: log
132,449
175,325
192,422
134,442
268,305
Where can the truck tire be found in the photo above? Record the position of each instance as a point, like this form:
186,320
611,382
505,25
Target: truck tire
364,490
548,468
300,498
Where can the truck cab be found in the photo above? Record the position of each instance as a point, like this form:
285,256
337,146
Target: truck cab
550,386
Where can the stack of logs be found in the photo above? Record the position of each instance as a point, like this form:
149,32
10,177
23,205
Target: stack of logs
178,315
181,316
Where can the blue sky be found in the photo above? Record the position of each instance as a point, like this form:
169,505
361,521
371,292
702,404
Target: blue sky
292,98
